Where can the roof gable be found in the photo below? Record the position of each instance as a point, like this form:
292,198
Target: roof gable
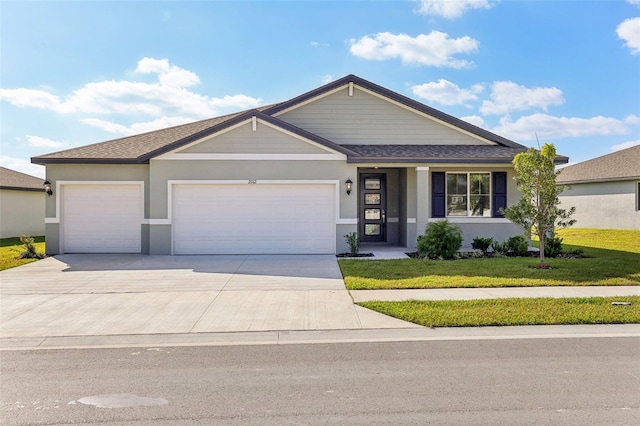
141,148
352,80
357,116
258,135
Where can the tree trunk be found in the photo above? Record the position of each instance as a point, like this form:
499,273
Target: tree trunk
543,240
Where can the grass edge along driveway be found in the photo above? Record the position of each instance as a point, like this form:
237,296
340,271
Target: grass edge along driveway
10,249
612,257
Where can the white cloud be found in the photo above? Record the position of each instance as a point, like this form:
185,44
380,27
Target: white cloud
632,119
625,145
634,2
30,98
40,142
446,93
507,96
549,127
435,49
22,165
450,9
629,31
168,96
475,120
327,78
136,128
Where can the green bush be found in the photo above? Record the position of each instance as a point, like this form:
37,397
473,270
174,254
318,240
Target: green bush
441,240
353,239
517,245
482,244
29,249
553,247
499,248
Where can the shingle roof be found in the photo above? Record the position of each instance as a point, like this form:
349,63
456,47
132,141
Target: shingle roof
620,165
141,148
432,153
10,179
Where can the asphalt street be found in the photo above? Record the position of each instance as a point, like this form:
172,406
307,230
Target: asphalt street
585,381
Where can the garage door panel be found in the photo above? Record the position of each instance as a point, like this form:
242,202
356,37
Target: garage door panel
102,218
240,219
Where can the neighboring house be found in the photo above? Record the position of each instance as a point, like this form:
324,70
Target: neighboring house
605,191
276,179
22,200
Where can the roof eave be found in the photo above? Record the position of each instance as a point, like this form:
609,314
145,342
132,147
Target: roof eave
365,159
45,161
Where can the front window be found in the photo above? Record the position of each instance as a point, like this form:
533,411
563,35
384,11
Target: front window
469,194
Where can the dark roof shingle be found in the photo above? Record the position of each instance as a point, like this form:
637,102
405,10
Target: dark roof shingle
11,179
433,153
620,165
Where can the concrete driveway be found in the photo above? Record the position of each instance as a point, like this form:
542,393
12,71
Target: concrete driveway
83,295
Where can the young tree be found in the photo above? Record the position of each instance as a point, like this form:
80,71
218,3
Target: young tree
539,208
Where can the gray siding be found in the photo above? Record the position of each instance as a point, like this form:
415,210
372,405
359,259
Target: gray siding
243,140
605,205
21,212
367,119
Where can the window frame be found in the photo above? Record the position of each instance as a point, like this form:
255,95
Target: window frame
468,194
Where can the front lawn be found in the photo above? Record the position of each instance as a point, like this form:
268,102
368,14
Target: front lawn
505,312
10,249
612,257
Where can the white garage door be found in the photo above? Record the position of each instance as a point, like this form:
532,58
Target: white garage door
254,219
102,218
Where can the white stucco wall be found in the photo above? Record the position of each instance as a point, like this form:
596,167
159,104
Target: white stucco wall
21,212
605,205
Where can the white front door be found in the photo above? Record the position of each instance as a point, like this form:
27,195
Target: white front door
254,218
101,218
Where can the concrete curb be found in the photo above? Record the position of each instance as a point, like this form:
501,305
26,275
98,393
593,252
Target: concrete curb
321,336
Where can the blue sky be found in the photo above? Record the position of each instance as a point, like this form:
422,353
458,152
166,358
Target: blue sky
75,73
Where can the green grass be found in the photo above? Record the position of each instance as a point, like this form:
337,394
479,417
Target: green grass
612,257
504,312
10,249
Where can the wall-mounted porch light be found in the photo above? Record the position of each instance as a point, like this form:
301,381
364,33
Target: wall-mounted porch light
348,185
47,187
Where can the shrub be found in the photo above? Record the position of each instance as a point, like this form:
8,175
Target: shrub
441,239
29,249
482,244
517,245
553,247
353,239
499,248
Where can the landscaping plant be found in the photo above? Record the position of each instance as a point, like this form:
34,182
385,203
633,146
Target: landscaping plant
517,245
553,246
29,249
441,240
353,239
539,208
482,244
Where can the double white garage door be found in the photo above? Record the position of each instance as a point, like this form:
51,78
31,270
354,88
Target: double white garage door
251,218
205,218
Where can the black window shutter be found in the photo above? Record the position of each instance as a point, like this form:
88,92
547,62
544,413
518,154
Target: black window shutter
438,205
499,193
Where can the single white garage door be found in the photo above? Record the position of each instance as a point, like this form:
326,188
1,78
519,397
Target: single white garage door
102,218
254,219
